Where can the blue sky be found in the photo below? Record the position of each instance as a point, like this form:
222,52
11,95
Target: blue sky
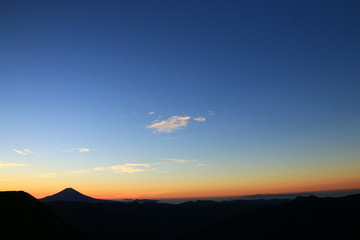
236,87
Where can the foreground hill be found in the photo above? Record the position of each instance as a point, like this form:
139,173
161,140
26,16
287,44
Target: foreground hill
24,217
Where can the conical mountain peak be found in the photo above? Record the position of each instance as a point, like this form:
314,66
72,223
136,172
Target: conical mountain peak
70,195
69,190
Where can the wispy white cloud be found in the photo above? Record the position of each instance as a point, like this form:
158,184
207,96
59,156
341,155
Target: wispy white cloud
126,168
174,123
130,168
177,160
19,152
171,124
82,150
141,167
101,168
200,119
151,113
8,165
196,163
23,152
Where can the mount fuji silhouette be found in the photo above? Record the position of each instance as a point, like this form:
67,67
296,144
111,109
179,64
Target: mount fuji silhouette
71,195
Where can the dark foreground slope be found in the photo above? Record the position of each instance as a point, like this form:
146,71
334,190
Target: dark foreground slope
149,220
302,218
24,217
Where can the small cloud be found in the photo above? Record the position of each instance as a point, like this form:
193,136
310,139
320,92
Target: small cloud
101,169
151,113
171,124
20,152
130,168
177,160
211,112
126,168
8,165
82,150
23,152
200,119
201,165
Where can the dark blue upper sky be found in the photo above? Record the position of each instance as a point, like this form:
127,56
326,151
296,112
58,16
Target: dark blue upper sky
268,77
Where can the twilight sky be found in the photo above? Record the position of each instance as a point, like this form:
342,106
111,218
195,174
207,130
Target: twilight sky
157,99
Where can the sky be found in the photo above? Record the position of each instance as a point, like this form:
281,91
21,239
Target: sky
170,99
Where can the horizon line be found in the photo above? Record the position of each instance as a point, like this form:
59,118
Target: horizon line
247,195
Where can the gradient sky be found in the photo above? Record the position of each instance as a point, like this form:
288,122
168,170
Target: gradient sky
158,99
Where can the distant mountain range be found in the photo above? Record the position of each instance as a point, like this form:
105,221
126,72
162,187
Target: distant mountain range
71,195
72,215
309,218
329,193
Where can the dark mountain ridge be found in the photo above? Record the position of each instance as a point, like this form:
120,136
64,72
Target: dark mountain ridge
24,217
149,220
302,218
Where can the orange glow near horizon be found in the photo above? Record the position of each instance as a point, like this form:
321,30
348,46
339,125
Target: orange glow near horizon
210,193
198,183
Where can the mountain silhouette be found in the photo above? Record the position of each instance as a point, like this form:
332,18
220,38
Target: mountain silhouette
24,217
71,195
302,218
310,218
149,220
